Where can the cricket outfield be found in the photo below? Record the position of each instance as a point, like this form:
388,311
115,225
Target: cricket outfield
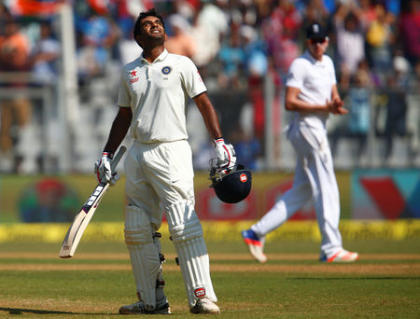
36,283
384,283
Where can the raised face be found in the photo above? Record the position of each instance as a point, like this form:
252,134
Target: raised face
151,30
317,47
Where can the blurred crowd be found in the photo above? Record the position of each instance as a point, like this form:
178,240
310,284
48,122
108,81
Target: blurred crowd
236,44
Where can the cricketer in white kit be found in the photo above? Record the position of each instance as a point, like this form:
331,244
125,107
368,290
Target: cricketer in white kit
311,94
159,173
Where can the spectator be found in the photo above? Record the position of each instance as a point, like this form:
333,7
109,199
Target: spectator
379,38
350,41
128,49
269,34
280,31
255,52
4,17
14,48
44,56
395,123
368,12
187,8
210,23
99,35
180,42
409,30
358,101
316,10
359,104
330,5
232,59
393,7
14,53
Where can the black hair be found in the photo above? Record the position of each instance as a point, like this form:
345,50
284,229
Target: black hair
150,13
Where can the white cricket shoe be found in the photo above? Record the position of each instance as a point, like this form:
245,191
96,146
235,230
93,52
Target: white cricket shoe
342,256
139,308
255,245
205,305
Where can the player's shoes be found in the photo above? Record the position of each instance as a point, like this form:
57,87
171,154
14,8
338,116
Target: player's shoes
139,308
205,305
255,245
342,256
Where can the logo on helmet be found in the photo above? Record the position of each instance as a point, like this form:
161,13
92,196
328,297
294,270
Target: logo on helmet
233,186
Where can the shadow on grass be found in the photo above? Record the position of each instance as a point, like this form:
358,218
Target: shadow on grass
19,311
354,278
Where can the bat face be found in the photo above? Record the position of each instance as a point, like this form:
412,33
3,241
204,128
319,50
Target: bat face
81,220
76,230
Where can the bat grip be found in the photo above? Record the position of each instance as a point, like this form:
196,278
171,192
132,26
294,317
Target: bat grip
117,157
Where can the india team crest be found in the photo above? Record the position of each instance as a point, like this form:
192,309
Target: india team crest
166,70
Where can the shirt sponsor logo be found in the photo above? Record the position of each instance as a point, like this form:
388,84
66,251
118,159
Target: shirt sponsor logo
133,76
166,70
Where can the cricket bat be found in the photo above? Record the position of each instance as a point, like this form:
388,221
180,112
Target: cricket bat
82,219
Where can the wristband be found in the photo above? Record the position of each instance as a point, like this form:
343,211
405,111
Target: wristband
108,154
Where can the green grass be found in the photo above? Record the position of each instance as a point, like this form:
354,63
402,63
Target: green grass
242,294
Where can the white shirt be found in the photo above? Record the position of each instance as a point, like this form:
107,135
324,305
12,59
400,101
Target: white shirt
157,94
350,47
315,80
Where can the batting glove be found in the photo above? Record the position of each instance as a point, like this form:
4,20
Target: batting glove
225,153
103,169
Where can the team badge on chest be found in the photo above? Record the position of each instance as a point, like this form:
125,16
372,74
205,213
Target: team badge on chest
166,70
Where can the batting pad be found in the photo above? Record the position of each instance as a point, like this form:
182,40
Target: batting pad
144,254
187,236
160,282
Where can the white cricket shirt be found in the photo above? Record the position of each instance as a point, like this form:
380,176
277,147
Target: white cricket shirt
157,94
315,80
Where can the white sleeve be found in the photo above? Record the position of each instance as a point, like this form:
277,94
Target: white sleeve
333,77
191,79
296,75
123,94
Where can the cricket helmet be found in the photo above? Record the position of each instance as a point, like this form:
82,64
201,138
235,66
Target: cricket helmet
231,185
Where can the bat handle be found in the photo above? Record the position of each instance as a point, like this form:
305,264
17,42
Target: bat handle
117,157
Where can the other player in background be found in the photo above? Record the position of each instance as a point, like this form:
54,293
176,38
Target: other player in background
152,99
311,94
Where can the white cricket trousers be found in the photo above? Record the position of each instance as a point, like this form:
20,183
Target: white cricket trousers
158,175
159,178
314,179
